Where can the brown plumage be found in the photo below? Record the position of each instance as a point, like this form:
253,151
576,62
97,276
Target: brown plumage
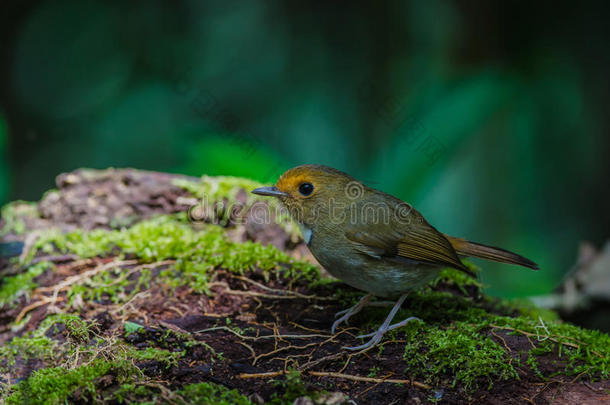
369,239
466,248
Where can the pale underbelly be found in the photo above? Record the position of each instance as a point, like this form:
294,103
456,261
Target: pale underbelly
380,277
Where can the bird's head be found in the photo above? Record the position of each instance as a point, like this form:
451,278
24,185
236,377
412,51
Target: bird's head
311,191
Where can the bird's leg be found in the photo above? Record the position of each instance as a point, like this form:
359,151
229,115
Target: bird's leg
347,313
367,304
378,335
381,304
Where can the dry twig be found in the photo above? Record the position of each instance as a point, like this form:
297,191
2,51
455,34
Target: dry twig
339,375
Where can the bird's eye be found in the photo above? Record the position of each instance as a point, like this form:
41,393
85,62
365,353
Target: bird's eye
306,189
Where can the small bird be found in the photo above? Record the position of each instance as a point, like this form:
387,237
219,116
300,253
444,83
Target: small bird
372,240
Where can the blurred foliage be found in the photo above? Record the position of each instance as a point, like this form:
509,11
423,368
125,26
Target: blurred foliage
4,172
489,117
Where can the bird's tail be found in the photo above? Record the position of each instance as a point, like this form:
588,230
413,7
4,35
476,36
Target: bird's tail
473,249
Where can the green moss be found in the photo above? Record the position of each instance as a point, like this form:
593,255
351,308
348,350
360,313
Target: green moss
208,393
173,344
167,358
28,347
57,385
131,393
117,363
13,214
292,386
584,351
15,286
454,346
39,346
455,340
458,350
77,328
458,278
196,252
110,284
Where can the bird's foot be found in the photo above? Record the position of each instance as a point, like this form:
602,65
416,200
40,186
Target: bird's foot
343,312
394,326
347,313
378,335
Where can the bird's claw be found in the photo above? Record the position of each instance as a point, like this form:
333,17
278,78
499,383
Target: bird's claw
376,339
348,313
337,323
378,335
394,326
345,311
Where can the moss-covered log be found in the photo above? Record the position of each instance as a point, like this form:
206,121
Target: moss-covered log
128,289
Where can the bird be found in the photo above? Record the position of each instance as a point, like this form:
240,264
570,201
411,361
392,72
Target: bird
371,240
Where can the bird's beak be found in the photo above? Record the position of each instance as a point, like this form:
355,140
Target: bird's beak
270,191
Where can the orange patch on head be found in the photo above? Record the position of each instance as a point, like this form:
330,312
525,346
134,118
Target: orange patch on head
287,183
290,181
317,175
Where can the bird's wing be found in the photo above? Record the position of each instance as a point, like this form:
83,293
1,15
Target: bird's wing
414,240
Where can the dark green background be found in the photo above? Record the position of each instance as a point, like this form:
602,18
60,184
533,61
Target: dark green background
490,117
